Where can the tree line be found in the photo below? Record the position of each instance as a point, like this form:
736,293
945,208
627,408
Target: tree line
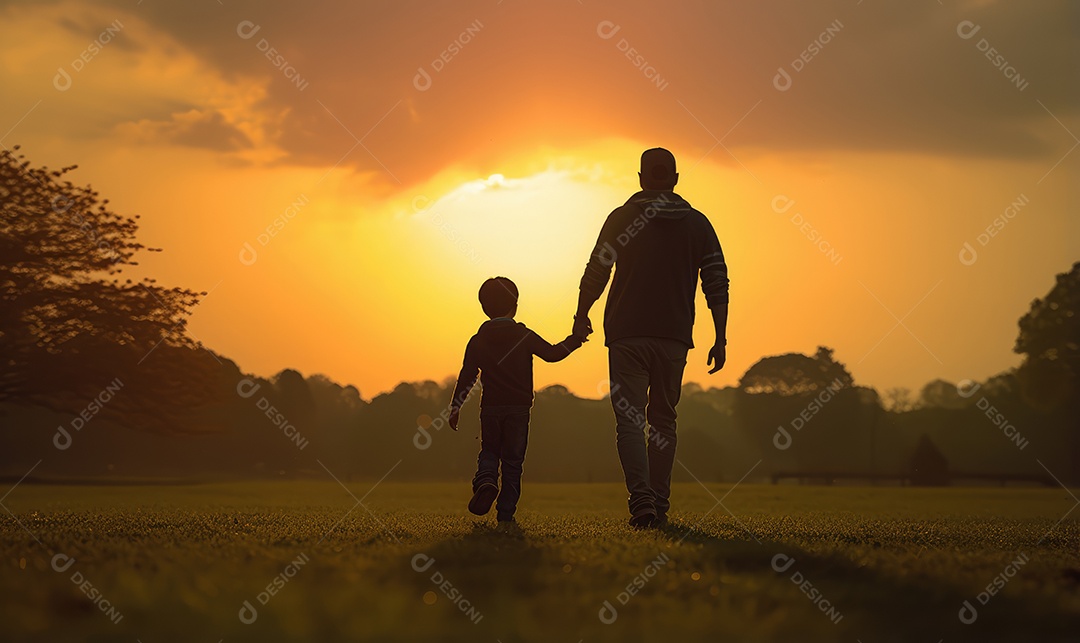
102,380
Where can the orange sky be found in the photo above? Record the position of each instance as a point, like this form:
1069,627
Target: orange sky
400,183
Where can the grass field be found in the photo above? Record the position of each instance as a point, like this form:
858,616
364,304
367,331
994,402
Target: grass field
769,563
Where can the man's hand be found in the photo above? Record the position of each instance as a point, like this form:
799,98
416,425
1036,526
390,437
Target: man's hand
718,354
582,327
453,419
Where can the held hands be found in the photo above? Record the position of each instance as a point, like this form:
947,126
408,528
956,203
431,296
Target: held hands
453,419
717,354
582,327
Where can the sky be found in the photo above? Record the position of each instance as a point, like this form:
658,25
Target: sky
896,181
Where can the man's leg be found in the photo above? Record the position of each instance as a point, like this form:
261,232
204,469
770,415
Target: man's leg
665,386
629,377
515,441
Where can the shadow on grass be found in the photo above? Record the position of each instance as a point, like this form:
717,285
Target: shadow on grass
862,603
487,561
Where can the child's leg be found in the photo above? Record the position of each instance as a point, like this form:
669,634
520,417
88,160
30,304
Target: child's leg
487,463
515,440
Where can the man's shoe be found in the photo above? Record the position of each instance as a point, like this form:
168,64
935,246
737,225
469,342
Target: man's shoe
643,520
482,498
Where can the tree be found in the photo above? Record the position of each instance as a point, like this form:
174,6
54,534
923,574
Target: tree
69,326
1049,340
795,373
295,395
927,466
899,399
555,390
806,412
941,394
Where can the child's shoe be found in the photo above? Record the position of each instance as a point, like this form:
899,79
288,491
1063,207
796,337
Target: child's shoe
482,498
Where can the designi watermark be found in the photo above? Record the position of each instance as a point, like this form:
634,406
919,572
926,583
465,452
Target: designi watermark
968,254
247,388
967,29
63,81
247,29
421,563
967,389
782,440
62,440
248,254
62,562
781,204
969,613
425,424
422,204
607,29
248,613
608,614
782,562
423,80
782,81
625,408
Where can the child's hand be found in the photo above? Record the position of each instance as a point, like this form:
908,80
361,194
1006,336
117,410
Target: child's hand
582,327
453,419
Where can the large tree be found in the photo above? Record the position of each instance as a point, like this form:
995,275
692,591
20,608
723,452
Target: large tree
795,373
1049,340
807,414
70,325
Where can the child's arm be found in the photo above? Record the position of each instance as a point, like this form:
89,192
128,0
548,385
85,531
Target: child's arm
466,380
554,352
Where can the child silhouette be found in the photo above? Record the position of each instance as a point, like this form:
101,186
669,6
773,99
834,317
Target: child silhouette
500,353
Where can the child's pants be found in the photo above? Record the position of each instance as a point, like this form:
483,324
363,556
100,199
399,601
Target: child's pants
504,435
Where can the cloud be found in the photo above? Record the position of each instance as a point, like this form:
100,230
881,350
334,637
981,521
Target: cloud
401,91
114,74
193,128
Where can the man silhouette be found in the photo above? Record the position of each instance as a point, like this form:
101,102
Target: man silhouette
657,245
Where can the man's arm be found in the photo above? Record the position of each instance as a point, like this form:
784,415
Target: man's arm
718,353
714,283
595,279
465,382
553,352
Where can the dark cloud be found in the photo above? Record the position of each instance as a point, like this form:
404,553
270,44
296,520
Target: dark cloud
210,131
206,130
892,77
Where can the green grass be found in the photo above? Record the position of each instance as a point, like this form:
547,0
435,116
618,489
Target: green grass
179,562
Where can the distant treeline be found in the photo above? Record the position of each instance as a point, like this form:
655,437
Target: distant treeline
790,412
101,380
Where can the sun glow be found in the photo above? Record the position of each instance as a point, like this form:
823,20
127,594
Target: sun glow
527,228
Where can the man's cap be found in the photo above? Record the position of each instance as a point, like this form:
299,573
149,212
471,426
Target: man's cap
658,164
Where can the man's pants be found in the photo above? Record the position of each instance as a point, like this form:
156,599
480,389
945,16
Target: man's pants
646,380
504,435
